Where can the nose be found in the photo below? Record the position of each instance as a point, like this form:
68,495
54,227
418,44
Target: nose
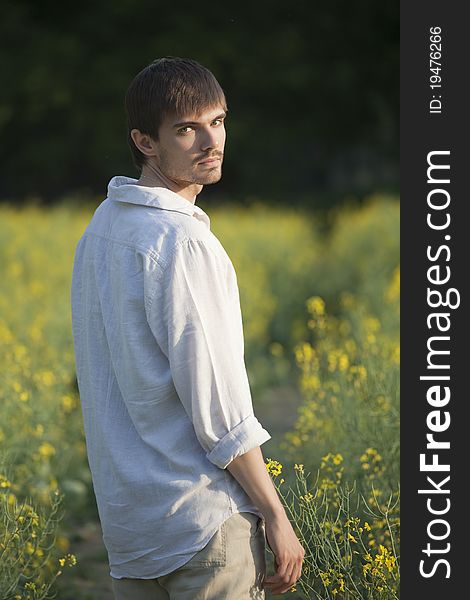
210,140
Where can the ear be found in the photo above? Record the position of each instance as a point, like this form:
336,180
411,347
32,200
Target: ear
144,142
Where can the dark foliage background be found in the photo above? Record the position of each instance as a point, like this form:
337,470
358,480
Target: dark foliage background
312,90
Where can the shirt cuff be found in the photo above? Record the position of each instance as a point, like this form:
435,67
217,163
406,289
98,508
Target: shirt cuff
243,437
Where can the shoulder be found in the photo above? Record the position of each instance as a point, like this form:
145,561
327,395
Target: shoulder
154,231
201,248
185,237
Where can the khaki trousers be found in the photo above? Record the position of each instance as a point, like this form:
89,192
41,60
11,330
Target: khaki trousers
232,566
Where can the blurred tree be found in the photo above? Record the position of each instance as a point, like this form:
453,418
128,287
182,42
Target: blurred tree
312,90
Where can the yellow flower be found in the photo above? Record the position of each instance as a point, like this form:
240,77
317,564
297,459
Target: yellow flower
316,305
343,362
46,450
274,467
310,383
47,378
4,483
29,548
304,352
371,324
68,403
69,559
360,371
337,459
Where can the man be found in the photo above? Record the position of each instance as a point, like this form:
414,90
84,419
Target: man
183,494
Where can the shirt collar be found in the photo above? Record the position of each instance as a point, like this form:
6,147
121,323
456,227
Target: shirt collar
125,189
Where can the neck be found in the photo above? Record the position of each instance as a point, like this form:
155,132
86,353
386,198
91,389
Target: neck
151,176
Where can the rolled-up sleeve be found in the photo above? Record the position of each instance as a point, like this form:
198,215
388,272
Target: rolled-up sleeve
196,319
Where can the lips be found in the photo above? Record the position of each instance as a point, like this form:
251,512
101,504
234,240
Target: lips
209,160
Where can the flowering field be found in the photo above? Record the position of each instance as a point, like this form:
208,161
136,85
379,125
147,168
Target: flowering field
320,302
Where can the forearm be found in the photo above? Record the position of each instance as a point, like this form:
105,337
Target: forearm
250,471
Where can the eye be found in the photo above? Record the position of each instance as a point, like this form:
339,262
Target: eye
182,130
219,120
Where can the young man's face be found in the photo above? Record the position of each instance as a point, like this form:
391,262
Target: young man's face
185,145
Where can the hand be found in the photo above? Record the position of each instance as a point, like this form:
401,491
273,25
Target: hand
288,554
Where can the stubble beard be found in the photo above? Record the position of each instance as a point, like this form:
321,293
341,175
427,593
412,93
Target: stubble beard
197,174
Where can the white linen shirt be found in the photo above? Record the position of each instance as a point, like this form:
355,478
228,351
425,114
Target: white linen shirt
159,351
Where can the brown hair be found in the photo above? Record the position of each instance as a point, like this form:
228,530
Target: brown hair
169,86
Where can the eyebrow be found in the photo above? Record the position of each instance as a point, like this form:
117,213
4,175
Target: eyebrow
221,116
